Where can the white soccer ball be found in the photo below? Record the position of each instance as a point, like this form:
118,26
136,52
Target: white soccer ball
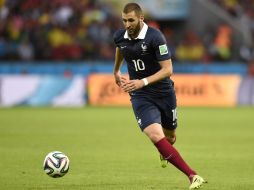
56,164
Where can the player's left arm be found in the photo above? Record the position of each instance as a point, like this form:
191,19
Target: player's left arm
165,72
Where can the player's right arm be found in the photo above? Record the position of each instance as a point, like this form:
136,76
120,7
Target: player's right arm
117,66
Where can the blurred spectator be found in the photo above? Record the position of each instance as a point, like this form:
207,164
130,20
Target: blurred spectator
3,10
2,48
25,50
221,47
191,48
153,24
232,6
169,35
251,68
58,37
243,11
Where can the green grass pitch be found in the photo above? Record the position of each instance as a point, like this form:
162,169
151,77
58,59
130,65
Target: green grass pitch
107,151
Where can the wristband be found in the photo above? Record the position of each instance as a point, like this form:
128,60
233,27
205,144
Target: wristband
145,81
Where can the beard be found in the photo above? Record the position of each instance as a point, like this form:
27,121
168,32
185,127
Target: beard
133,32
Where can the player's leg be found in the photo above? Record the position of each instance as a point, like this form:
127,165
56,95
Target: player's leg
170,135
154,132
167,108
147,113
169,153
149,118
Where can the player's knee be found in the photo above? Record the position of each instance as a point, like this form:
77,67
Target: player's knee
154,132
171,140
155,137
170,135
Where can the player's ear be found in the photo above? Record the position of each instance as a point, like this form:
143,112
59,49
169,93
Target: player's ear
141,18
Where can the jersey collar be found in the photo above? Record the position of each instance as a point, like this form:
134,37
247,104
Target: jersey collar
141,34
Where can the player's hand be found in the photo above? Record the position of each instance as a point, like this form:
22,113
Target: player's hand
131,85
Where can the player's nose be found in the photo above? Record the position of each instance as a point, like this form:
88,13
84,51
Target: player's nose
127,24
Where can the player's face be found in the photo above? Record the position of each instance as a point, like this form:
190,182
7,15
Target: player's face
132,23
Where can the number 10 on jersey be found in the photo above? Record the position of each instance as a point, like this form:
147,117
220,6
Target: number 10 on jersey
139,65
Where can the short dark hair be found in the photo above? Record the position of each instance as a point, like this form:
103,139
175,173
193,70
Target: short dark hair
132,7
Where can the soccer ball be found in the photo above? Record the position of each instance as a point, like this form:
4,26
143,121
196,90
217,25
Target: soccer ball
56,164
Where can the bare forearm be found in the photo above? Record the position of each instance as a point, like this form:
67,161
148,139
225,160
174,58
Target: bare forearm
118,61
165,72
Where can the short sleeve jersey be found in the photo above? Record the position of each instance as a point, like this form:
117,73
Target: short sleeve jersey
142,56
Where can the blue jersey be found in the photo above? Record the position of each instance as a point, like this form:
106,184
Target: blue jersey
142,56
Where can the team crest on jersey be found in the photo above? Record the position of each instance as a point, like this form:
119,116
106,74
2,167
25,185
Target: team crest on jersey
163,49
143,48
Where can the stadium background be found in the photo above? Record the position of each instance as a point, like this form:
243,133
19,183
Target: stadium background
57,93
61,42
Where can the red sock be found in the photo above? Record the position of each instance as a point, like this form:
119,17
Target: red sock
170,154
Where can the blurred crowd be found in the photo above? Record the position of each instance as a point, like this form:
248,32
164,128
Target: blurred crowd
82,30
56,29
237,8
243,11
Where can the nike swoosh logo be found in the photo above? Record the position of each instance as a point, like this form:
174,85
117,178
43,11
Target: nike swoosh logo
168,157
